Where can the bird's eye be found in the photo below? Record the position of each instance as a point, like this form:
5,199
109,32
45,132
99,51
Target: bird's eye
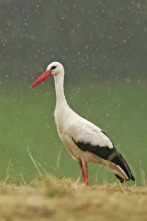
53,67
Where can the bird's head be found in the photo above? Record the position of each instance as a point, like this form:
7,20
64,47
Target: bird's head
54,69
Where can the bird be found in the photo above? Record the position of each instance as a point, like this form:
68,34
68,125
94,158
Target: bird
85,141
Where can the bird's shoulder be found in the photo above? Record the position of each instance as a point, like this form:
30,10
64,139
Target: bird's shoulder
82,130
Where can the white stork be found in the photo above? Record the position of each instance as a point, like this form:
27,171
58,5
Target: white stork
83,140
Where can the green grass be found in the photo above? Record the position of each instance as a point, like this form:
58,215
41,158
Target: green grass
27,122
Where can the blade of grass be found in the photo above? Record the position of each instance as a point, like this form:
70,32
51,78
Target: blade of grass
33,161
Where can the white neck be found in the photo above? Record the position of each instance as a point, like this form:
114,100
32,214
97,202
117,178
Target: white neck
59,87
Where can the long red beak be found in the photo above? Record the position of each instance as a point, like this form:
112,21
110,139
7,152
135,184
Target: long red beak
45,75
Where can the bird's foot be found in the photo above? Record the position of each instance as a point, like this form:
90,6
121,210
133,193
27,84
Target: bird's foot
86,182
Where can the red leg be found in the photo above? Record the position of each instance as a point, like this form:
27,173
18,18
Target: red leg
82,170
86,175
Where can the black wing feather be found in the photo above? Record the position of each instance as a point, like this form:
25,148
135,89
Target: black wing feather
120,161
106,153
103,152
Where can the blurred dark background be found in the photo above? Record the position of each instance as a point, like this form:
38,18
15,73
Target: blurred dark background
103,47
96,37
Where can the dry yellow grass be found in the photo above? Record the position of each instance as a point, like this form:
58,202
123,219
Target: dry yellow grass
57,200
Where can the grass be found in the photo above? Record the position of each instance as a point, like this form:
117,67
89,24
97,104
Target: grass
27,122
51,199
48,198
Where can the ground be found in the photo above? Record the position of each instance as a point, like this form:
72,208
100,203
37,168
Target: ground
51,199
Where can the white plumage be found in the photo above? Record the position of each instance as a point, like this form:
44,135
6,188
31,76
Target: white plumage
83,140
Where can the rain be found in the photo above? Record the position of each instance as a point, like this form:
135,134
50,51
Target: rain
102,45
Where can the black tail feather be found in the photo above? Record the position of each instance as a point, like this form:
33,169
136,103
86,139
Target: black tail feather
121,179
120,161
